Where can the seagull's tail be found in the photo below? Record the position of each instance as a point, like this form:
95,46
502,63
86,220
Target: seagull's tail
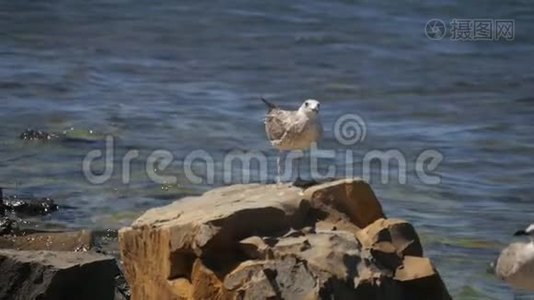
269,104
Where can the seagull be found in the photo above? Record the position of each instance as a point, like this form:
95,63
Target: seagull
515,264
293,130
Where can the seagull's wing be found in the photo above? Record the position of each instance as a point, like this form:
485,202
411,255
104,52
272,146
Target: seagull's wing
279,123
513,258
515,265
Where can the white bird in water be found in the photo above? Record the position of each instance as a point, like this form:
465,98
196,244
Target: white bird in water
515,264
293,130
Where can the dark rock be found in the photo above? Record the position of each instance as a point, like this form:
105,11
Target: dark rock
7,226
63,137
301,183
2,206
29,206
56,275
104,242
37,135
122,289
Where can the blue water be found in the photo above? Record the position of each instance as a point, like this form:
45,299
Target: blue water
187,76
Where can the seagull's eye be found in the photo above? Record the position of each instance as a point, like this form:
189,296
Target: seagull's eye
306,103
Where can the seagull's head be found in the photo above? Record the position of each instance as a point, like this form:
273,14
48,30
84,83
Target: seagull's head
529,231
310,107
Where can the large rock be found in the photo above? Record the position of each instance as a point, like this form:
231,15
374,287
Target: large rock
277,242
75,241
56,275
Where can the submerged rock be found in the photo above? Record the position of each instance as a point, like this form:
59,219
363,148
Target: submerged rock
67,136
7,226
277,242
29,206
37,135
2,206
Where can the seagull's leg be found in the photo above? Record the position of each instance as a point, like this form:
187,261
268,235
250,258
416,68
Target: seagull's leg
279,167
299,181
298,169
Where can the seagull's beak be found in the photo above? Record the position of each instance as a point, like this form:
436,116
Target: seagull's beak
316,110
520,232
